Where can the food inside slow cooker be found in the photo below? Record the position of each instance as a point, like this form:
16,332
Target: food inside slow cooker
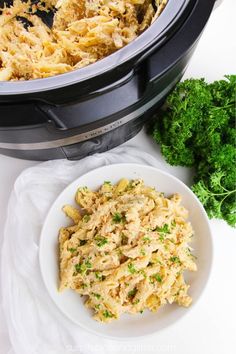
41,39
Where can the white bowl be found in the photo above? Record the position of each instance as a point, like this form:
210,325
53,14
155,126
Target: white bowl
128,326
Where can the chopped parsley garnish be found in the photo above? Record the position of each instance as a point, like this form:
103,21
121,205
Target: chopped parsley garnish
118,218
86,218
156,260
82,242
175,259
136,302
72,250
164,229
80,268
107,182
146,239
99,276
161,238
85,188
141,311
157,277
97,306
101,241
107,314
173,223
143,253
88,264
131,268
132,293
98,296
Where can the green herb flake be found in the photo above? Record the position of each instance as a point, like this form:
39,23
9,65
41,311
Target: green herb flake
80,268
173,224
118,218
72,250
83,189
101,241
163,230
132,292
131,268
86,218
175,259
107,182
142,251
98,296
88,264
98,275
157,277
82,242
107,314
146,239
97,306
158,261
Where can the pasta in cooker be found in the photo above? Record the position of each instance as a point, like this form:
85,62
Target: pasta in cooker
127,249
83,32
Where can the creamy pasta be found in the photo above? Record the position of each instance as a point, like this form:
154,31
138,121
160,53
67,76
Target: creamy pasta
126,250
82,32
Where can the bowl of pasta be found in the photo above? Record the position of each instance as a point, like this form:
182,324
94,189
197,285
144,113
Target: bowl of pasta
126,251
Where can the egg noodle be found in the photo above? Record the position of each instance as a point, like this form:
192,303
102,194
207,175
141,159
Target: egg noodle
83,32
127,249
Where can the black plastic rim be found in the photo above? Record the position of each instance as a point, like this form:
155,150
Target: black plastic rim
154,33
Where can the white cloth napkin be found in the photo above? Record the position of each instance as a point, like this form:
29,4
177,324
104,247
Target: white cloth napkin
34,323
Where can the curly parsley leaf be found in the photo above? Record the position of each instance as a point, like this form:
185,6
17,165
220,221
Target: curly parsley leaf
197,129
131,268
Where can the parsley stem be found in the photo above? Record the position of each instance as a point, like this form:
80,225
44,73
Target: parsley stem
228,105
225,193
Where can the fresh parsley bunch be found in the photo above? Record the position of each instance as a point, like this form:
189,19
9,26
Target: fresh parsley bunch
197,128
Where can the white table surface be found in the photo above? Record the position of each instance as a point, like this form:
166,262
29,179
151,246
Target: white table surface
211,327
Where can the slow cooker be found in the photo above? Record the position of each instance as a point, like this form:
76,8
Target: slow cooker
98,107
